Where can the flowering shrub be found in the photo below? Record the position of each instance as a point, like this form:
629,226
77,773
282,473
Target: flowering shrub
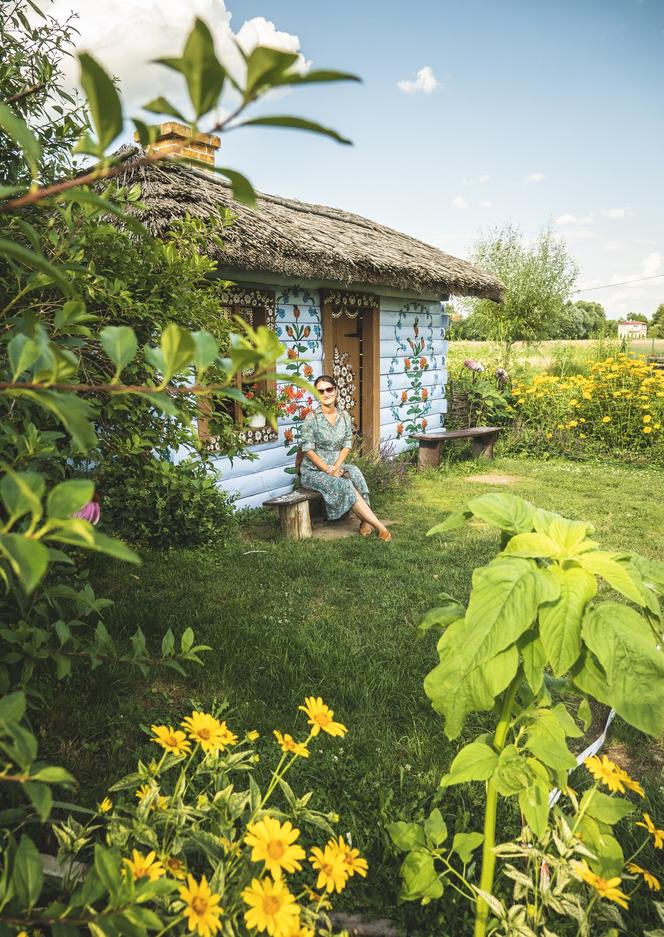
617,407
186,843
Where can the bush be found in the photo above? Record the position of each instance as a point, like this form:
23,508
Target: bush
617,409
151,501
383,470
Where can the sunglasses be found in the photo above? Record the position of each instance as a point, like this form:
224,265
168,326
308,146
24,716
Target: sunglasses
326,390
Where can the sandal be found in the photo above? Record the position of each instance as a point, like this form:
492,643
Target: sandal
365,529
384,535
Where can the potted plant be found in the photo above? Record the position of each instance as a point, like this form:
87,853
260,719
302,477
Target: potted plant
262,404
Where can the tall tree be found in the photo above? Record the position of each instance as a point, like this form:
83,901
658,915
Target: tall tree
538,275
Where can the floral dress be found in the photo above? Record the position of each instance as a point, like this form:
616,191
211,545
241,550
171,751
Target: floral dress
327,441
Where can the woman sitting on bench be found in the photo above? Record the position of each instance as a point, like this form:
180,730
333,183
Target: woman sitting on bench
326,441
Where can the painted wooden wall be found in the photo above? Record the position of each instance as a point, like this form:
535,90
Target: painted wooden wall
413,375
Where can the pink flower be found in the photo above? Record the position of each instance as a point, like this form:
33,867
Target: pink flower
89,512
473,365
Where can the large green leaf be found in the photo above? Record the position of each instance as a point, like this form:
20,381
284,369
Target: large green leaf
456,519
28,874
512,772
23,352
22,493
18,130
315,76
589,676
107,866
560,621
120,344
177,348
601,563
265,65
406,836
68,497
419,877
79,533
546,740
461,683
605,808
507,512
202,70
435,828
465,844
570,536
608,857
534,659
534,804
504,601
295,123
75,414
243,190
623,643
36,262
532,545
206,350
475,762
103,100
27,558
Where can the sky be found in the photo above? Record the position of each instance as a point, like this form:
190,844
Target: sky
469,115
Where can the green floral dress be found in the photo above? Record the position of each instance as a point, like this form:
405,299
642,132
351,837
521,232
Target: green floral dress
327,441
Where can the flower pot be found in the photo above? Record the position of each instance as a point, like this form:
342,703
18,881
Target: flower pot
256,421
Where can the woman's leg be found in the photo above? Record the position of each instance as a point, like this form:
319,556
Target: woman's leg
364,512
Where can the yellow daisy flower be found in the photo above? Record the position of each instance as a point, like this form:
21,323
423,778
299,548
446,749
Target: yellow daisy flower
175,868
272,908
321,717
606,419
647,429
658,835
605,888
610,774
352,859
105,805
288,744
647,418
332,871
202,908
253,735
274,844
651,880
212,735
171,740
142,866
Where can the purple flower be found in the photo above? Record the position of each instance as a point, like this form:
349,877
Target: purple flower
473,365
89,512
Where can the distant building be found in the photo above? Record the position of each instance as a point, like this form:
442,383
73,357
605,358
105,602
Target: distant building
630,329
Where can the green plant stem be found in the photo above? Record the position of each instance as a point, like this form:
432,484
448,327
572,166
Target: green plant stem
488,855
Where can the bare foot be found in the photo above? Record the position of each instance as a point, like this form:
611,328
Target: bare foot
365,529
384,534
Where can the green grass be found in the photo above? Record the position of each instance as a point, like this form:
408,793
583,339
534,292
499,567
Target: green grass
542,355
336,619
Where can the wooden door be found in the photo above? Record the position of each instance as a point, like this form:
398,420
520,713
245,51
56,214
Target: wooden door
351,354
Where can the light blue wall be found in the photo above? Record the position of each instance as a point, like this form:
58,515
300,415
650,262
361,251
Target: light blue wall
405,324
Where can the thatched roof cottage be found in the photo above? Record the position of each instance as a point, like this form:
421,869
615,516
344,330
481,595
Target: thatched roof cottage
346,296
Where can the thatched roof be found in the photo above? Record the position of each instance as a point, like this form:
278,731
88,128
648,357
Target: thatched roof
302,241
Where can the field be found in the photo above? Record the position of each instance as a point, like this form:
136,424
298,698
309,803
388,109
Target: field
540,356
338,619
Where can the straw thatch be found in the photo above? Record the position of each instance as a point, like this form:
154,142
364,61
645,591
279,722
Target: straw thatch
301,241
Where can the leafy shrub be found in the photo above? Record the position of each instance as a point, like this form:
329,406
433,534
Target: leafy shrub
618,408
382,468
149,500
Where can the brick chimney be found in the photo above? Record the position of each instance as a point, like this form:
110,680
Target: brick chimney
176,139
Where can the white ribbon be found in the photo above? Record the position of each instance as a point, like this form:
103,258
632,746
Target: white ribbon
592,749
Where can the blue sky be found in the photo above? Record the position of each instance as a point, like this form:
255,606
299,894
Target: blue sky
529,112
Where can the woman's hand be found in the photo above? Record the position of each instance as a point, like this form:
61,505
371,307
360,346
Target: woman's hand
335,471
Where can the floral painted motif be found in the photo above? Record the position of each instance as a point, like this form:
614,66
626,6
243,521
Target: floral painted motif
414,335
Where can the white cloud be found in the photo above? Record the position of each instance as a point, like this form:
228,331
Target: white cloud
425,81
486,204
126,35
574,220
613,213
533,177
459,202
651,265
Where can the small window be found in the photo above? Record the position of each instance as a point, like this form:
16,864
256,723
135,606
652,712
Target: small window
256,307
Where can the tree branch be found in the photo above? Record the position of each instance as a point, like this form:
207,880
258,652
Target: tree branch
26,93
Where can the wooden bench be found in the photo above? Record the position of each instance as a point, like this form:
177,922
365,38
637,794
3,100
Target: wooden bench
294,513
482,437
657,361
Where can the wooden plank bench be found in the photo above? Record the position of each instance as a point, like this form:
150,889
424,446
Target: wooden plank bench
482,437
294,513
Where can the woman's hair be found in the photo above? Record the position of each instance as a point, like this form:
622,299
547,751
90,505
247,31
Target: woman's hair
326,377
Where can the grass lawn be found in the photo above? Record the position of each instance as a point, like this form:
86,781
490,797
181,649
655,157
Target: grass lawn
338,619
540,356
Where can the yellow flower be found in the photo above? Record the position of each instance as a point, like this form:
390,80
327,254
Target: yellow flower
321,717
332,871
352,859
647,418
160,801
647,429
202,907
171,740
274,845
212,735
272,908
142,866
573,423
606,419
301,931
288,744
582,435
658,835
605,888
105,805
657,425
651,880
175,867
253,735
606,771
549,435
